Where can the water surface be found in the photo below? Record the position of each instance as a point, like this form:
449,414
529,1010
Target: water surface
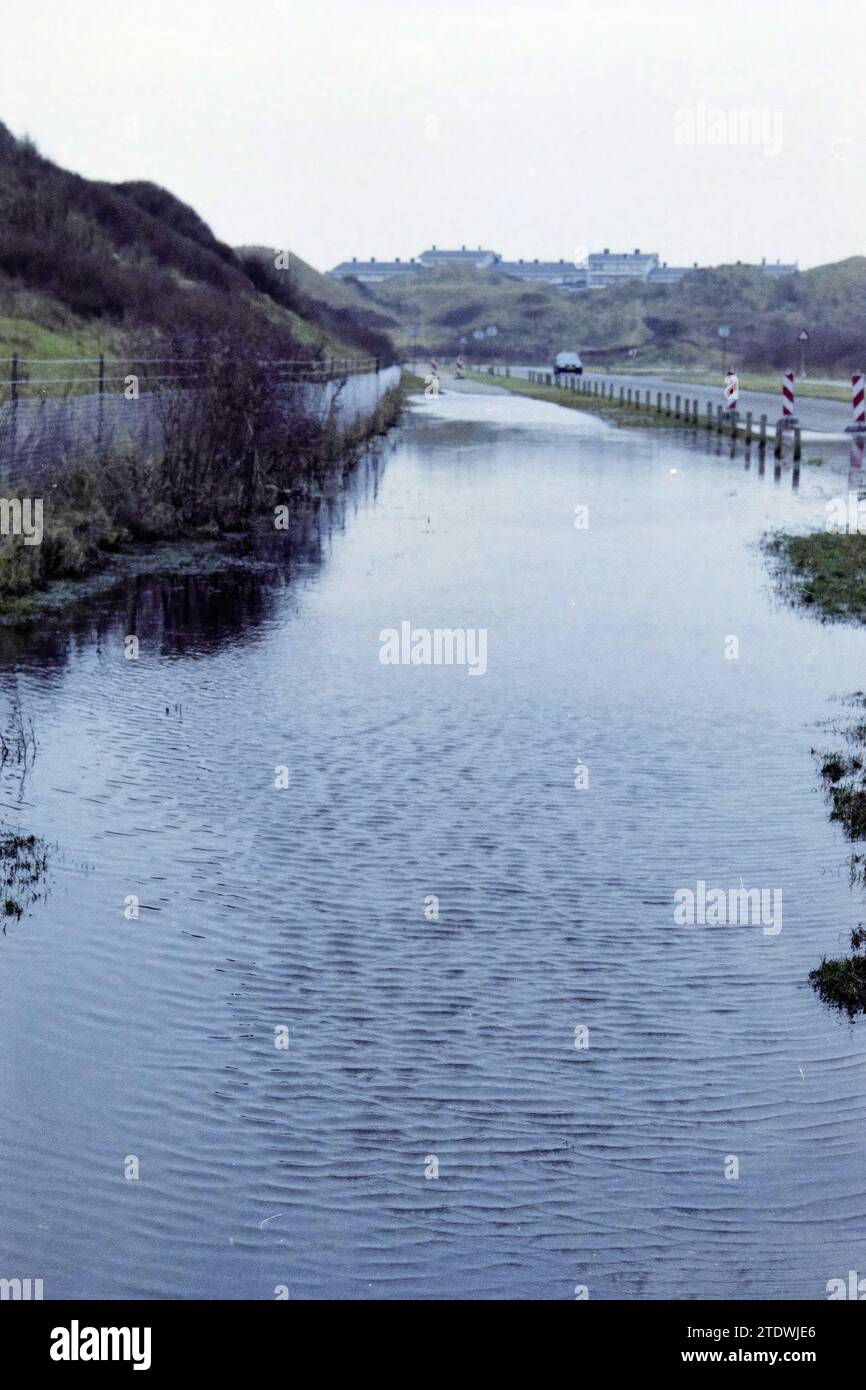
303,908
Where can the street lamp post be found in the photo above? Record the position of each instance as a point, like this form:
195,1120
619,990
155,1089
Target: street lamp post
724,334
803,338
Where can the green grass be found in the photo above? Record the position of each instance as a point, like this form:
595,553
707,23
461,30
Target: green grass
51,348
31,339
823,571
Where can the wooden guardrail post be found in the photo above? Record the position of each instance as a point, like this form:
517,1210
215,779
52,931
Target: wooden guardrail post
14,380
677,407
777,447
762,436
719,418
797,443
709,415
748,426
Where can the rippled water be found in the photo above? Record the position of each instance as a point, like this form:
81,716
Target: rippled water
303,908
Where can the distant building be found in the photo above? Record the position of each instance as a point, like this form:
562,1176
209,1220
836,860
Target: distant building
480,259
605,268
777,267
369,272
665,274
561,273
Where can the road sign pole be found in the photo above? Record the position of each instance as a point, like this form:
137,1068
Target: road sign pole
803,338
724,334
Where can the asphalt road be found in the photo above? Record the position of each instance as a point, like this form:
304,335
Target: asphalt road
818,416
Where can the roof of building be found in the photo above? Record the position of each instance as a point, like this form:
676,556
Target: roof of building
670,272
373,267
522,267
463,254
778,267
636,255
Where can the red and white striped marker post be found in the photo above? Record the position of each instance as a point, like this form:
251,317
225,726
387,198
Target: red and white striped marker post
789,419
858,404
732,391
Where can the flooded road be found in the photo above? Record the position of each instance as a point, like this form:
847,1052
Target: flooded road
289,1043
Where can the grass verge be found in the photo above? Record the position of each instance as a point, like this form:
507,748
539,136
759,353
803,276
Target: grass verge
604,408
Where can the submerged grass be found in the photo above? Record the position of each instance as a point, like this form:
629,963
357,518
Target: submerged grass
824,571
841,982
23,858
23,864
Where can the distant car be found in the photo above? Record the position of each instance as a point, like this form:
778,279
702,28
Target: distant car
568,364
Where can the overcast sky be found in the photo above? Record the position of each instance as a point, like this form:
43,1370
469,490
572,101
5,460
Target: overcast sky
369,128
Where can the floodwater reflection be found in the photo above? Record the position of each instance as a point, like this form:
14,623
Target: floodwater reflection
286,1035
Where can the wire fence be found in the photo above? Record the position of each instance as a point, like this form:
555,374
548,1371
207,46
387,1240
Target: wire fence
41,378
40,432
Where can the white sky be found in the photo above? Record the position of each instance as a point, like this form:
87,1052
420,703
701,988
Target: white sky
375,128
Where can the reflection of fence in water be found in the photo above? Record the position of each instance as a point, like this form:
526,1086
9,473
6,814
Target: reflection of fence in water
38,434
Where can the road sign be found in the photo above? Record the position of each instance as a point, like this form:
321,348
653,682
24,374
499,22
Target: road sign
732,390
803,336
724,330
